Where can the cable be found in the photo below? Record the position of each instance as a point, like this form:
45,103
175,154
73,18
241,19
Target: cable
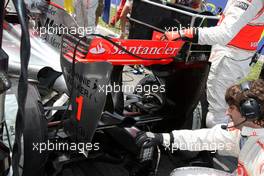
237,124
8,137
158,161
25,54
23,82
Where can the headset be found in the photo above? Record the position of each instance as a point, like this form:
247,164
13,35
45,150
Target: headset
249,108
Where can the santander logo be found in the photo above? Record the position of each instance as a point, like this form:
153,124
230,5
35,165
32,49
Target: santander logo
98,49
147,48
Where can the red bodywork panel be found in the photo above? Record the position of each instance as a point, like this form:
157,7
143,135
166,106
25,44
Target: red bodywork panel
153,51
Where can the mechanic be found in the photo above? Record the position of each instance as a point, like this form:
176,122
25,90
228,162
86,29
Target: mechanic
116,17
99,11
243,138
123,17
85,14
235,39
91,12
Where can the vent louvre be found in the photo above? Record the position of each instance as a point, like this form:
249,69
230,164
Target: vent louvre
69,43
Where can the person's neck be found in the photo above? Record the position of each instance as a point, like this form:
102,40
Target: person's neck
251,125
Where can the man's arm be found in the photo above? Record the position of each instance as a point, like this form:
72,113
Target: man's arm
215,138
238,14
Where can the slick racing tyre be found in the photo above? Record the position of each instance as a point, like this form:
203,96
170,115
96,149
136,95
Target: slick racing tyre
29,161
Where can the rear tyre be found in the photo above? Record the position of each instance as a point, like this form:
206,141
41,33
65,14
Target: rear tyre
29,161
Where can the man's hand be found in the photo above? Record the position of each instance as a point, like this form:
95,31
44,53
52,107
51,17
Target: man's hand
171,36
148,139
190,35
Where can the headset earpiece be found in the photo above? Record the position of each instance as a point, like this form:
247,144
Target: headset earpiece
250,108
